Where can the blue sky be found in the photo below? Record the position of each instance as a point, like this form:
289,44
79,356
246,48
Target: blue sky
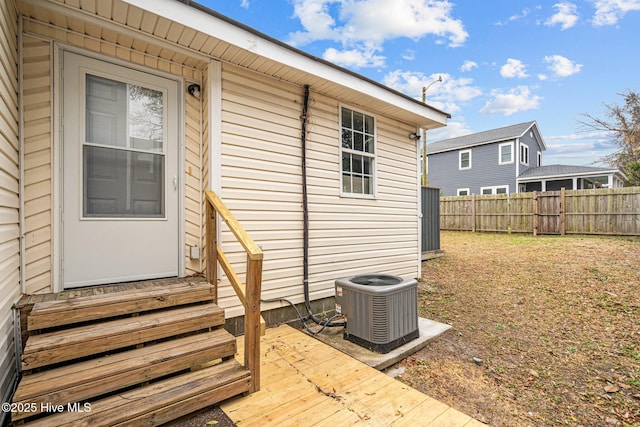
502,62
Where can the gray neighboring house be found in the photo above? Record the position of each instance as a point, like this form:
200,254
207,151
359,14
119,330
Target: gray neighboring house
555,177
506,160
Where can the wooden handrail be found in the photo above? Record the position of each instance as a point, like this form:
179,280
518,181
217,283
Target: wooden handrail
249,294
253,251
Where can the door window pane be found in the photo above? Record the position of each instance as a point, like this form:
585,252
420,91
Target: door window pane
123,155
123,184
123,115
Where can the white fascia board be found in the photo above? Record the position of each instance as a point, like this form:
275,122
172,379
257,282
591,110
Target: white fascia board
570,175
244,39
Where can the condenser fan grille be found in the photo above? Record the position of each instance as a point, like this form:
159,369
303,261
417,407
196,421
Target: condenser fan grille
381,310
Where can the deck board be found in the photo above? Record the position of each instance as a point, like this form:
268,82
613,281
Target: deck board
307,383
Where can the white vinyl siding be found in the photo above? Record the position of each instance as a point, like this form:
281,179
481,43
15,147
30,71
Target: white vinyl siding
37,108
9,199
464,159
262,186
193,180
505,153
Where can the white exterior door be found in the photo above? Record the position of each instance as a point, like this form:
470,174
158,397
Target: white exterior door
120,192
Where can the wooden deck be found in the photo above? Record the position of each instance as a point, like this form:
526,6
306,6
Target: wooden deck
307,383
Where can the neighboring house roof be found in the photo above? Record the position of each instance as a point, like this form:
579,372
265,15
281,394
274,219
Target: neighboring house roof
563,171
486,137
242,45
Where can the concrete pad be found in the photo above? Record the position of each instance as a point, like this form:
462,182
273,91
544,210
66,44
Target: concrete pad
429,330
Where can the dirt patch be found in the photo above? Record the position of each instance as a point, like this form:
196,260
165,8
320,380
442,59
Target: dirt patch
552,322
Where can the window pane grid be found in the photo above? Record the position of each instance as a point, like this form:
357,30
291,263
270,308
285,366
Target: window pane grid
358,148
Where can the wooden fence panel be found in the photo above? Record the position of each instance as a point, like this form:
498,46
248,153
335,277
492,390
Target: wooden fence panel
549,212
521,213
613,211
456,213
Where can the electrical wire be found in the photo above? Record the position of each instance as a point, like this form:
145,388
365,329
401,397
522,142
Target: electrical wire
326,323
305,215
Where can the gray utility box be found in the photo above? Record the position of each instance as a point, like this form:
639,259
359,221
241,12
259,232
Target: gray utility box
381,310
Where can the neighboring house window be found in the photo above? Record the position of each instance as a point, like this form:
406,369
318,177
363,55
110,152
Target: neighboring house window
539,159
498,189
464,160
357,152
506,153
524,154
463,192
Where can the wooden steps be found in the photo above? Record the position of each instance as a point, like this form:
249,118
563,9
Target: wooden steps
150,356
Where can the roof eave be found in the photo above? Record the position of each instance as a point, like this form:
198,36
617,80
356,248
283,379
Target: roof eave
205,20
463,147
575,174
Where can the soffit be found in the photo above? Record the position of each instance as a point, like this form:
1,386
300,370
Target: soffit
137,28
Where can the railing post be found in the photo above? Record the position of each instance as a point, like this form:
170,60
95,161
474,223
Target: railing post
252,321
212,251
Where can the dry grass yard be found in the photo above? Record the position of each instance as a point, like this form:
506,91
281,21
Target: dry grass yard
554,323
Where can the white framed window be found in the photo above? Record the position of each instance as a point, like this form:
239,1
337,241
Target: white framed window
539,159
524,154
505,153
357,152
463,192
496,189
464,159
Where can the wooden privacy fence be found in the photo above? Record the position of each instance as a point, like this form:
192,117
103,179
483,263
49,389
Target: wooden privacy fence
613,211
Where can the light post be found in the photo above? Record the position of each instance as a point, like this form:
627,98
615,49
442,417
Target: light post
423,178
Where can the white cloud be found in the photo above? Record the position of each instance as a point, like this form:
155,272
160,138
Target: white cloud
566,16
358,23
244,4
409,55
609,12
515,100
513,68
446,95
579,149
354,58
561,66
453,129
468,65
516,17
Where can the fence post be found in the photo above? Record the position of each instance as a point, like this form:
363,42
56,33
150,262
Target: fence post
473,212
562,209
535,213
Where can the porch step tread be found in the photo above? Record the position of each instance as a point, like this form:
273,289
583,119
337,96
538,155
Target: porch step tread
88,379
56,313
59,346
160,402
